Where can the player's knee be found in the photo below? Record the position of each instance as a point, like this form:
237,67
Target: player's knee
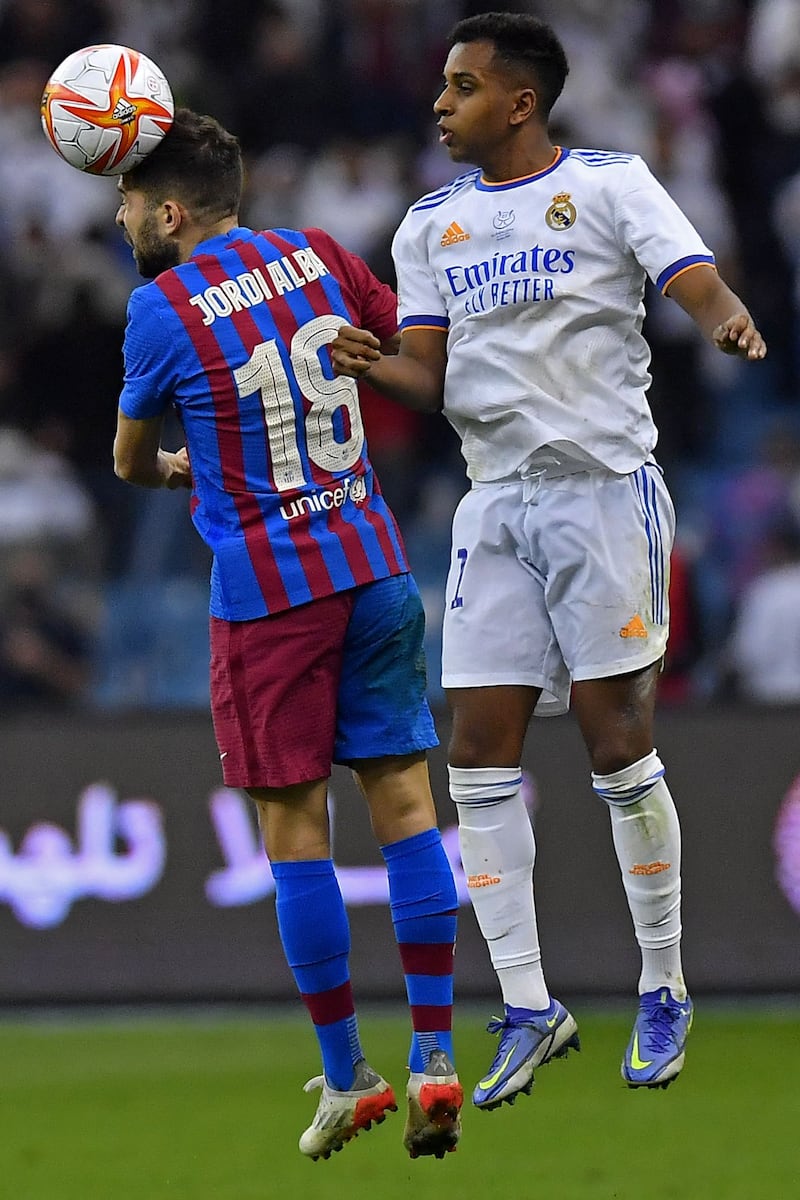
630,783
483,786
485,734
618,749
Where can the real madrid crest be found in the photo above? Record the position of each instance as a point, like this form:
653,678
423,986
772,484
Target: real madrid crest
562,213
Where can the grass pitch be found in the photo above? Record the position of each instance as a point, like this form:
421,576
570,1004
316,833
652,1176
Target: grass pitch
210,1106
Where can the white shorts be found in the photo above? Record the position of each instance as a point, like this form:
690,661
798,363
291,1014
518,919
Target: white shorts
569,584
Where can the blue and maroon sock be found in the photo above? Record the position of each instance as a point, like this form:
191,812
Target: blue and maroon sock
315,933
423,901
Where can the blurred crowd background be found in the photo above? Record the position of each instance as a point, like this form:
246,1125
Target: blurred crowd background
103,587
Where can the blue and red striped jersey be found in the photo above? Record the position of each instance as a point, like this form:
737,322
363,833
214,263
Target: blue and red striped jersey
236,338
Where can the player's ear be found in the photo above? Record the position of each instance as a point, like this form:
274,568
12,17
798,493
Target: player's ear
173,216
525,106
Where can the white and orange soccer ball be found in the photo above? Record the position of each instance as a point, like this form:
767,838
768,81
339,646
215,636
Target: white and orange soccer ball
105,108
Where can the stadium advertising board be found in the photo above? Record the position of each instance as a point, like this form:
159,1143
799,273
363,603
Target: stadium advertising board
128,872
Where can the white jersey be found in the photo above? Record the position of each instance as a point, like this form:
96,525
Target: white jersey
539,283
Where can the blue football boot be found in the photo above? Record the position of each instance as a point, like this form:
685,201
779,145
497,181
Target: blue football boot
655,1052
527,1040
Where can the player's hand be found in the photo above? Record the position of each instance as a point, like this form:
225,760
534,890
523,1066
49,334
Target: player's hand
179,469
738,335
354,351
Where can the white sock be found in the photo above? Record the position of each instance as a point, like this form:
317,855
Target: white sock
498,852
647,840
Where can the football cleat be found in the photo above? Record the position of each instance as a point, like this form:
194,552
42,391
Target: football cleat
655,1053
433,1124
340,1116
526,1042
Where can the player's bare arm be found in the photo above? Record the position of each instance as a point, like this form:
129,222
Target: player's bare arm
718,312
414,376
139,459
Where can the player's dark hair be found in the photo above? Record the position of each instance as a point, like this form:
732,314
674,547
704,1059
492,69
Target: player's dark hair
197,162
520,41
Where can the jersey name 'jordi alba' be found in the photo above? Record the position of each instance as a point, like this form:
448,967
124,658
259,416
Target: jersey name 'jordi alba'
540,283
236,340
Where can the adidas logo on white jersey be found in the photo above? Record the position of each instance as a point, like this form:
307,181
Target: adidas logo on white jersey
454,234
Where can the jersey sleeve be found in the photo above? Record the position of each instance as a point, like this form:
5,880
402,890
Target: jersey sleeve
373,303
148,352
650,223
420,304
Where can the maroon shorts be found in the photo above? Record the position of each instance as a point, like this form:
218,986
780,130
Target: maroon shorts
336,680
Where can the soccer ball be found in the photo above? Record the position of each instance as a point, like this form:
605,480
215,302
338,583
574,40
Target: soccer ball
105,108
